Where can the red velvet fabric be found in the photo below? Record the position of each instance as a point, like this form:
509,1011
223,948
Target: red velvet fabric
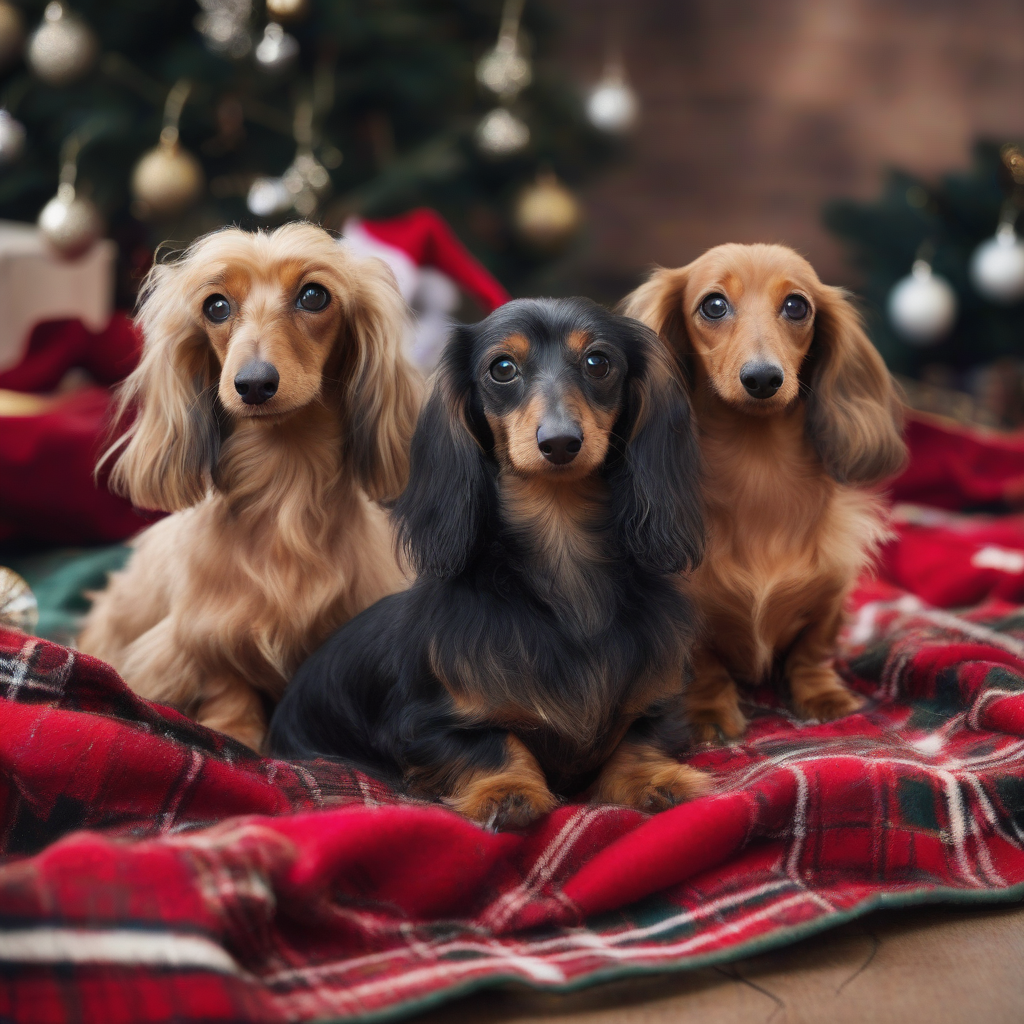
47,490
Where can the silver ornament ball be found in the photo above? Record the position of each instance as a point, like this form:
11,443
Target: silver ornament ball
269,197
69,223
277,49
922,306
612,106
63,48
997,267
500,134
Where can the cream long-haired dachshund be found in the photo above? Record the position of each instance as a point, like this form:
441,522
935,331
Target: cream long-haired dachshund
274,408
796,412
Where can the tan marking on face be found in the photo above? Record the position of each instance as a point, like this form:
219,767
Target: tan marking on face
578,341
515,345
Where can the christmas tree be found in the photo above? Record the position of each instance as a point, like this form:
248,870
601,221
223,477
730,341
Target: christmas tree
963,306
174,119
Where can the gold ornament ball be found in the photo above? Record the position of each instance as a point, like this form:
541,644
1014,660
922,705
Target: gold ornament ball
547,214
287,10
70,224
18,607
167,181
12,34
63,48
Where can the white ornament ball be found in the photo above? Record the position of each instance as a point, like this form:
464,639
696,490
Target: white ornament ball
277,49
63,48
500,133
612,106
504,70
167,180
70,224
997,266
12,34
922,307
269,197
12,138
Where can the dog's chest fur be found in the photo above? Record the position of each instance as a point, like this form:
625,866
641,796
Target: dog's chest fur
784,539
287,519
585,645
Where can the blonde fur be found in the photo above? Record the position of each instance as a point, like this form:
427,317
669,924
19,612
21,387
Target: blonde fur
275,539
789,531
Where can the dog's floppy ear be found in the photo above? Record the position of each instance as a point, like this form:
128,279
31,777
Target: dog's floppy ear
384,390
442,513
658,303
167,457
854,415
655,481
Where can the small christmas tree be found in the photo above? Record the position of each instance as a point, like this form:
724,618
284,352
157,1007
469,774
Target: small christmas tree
942,225
174,119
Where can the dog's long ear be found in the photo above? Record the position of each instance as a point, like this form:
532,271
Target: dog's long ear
658,303
655,482
167,457
384,389
854,415
441,514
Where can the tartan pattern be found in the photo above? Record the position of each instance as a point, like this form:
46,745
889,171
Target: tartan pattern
153,870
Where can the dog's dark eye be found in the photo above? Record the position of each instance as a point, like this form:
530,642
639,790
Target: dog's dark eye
795,307
217,309
597,364
313,298
714,307
504,370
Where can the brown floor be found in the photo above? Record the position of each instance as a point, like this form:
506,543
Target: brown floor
929,965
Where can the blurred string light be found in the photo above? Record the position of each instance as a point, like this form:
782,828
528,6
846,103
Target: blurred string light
224,25
277,50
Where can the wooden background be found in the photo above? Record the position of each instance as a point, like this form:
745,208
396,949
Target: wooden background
755,112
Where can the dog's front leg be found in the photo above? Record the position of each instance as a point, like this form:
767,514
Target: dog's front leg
712,700
230,705
643,773
512,791
818,691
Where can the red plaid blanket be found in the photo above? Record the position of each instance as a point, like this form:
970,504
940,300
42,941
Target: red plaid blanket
154,870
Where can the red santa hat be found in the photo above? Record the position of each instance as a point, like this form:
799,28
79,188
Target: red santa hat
430,265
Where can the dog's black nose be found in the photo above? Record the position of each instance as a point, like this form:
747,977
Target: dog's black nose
761,380
558,446
257,382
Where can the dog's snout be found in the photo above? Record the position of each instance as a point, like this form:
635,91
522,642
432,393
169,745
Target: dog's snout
257,382
559,443
761,380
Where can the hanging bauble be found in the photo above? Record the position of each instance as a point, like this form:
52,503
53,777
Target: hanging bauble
922,306
63,48
18,606
167,180
12,34
287,10
277,49
12,138
997,266
547,214
504,70
500,133
269,197
70,223
612,105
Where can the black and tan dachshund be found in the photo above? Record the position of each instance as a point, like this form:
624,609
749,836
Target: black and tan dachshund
552,502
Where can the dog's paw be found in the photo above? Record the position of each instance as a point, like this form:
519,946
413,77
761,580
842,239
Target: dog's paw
825,707
718,724
652,787
501,804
